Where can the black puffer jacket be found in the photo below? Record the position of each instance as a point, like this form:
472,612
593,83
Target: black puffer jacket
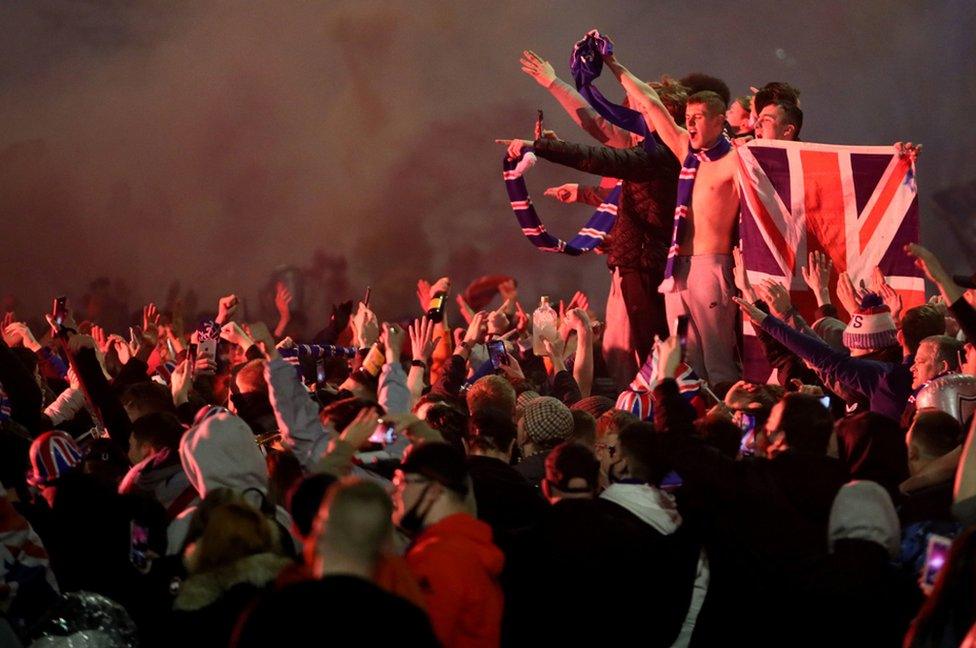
645,215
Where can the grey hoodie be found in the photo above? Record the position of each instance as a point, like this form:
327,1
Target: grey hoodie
862,510
220,452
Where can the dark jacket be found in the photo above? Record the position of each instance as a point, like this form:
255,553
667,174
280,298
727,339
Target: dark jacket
636,582
23,392
337,611
641,236
209,604
886,384
762,519
506,500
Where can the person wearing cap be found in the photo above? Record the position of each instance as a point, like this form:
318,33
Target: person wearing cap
452,554
887,385
546,422
572,472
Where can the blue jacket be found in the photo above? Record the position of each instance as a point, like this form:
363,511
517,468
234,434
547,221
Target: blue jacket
887,385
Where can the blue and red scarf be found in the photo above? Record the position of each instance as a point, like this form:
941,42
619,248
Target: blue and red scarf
686,187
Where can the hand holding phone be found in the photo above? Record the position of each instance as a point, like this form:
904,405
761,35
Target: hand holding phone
681,330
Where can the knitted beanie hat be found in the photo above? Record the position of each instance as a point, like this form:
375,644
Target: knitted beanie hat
547,421
52,455
871,325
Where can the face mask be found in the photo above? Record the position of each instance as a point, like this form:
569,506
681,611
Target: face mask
413,519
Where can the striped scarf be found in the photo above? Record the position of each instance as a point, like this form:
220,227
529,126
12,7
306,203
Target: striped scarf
589,236
686,186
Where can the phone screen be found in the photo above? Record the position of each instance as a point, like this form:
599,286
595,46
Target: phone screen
496,353
936,556
60,309
385,435
681,330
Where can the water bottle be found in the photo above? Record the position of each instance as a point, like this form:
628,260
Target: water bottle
544,325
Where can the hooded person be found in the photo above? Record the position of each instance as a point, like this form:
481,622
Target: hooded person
157,471
231,563
220,452
869,602
452,554
646,516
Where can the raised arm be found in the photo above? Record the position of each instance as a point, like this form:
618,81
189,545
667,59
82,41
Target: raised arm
645,99
573,102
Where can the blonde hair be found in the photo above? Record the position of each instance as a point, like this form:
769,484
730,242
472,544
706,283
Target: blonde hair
234,530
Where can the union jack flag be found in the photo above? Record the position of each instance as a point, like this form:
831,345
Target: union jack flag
857,204
637,400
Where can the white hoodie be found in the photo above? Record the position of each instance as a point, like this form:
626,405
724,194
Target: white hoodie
657,508
220,452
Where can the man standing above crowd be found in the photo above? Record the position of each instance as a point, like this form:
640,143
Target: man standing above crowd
698,280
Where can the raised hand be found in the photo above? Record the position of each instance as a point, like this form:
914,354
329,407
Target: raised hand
466,311
498,320
927,262
556,350
509,291
359,430
579,320
538,68
849,296
749,310
19,333
179,383
668,356
101,338
423,294
477,329
514,146
226,309
283,299
235,334
741,276
422,341
567,193
776,296
888,294
392,339
365,326
817,276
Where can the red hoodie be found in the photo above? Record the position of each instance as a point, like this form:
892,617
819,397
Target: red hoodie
457,566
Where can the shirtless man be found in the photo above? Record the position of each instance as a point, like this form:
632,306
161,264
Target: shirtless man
703,284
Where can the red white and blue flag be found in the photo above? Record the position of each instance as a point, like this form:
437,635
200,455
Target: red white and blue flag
637,398
857,204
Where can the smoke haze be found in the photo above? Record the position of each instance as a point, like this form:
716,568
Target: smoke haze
212,142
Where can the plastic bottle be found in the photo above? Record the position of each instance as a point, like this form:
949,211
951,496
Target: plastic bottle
544,326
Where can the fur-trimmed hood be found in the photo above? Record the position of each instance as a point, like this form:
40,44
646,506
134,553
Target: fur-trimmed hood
200,590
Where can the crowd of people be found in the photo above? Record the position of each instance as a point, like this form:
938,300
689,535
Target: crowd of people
444,481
